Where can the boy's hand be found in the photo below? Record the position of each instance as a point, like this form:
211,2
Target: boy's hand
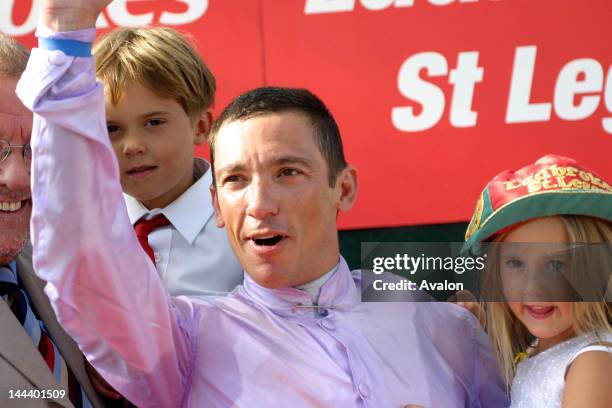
70,15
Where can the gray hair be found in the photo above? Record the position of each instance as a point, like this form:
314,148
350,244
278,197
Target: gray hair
13,56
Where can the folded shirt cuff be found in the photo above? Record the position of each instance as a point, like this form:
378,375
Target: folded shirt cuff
87,35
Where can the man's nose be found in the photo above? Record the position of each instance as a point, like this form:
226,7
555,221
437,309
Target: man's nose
15,172
262,199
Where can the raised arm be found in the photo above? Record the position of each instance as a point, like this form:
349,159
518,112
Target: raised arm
103,287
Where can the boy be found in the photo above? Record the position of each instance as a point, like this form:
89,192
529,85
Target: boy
159,95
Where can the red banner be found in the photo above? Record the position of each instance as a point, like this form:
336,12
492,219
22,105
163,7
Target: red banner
433,97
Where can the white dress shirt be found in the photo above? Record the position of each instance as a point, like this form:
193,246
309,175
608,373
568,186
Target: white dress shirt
193,256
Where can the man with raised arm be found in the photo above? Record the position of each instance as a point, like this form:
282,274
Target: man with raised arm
295,332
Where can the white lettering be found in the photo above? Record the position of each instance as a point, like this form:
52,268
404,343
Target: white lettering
195,10
118,12
402,285
413,87
441,2
441,286
416,262
6,19
101,21
328,6
607,122
378,269
376,5
464,77
339,6
519,107
404,3
568,86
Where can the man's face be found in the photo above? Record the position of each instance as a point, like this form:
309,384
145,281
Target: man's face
274,198
15,197
154,140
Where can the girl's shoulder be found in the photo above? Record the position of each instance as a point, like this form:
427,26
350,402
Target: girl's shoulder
569,349
540,380
588,373
558,358
592,342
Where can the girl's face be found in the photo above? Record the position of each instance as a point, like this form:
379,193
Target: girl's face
532,268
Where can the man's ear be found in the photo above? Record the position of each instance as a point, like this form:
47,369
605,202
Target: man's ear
347,186
202,127
215,200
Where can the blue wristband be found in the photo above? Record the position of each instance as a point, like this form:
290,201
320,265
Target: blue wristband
73,48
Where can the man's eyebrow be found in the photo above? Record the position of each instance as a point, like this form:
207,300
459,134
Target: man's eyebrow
231,168
288,160
280,161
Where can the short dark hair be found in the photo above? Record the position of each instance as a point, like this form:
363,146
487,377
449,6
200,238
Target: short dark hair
268,100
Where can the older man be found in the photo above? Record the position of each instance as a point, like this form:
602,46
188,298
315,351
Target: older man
296,332
39,364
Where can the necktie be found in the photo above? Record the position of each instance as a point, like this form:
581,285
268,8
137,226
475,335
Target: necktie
144,227
16,300
35,328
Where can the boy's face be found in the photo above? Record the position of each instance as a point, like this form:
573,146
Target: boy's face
154,142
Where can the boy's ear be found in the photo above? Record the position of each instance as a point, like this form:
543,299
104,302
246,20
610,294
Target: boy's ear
215,200
202,127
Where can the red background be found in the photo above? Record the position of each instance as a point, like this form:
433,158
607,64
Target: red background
352,59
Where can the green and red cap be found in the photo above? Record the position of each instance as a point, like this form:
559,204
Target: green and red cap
553,185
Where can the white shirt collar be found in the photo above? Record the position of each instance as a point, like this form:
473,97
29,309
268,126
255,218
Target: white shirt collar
189,213
313,288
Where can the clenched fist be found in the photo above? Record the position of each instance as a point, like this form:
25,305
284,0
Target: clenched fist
69,15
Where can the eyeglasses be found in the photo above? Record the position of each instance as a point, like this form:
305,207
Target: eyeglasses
6,149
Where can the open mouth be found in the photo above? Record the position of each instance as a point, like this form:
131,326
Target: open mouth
12,206
540,312
268,241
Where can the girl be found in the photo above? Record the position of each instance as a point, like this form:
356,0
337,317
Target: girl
553,352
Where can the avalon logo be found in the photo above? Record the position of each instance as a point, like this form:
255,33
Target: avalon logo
119,12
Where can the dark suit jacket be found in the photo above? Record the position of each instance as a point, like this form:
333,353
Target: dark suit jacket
21,365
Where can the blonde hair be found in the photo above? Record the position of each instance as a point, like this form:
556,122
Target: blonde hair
508,335
160,59
13,57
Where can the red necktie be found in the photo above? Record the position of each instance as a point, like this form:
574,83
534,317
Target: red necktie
144,227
